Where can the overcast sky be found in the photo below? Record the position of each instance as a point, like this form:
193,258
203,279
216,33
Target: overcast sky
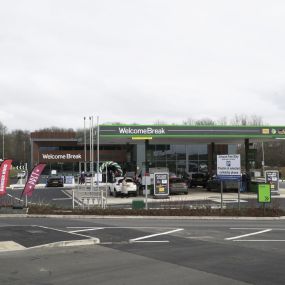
140,61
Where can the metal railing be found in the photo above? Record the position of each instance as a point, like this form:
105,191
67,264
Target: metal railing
86,197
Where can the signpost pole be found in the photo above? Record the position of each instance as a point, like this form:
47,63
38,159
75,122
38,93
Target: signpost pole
222,205
73,198
239,185
106,186
85,167
263,209
146,206
98,159
90,152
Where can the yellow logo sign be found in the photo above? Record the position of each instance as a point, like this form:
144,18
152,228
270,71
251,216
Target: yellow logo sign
141,138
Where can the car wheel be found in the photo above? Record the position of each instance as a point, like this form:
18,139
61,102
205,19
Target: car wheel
115,193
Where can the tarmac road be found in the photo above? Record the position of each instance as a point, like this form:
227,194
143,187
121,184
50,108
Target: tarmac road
145,251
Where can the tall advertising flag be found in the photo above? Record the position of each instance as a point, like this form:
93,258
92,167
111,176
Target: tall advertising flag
33,179
4,175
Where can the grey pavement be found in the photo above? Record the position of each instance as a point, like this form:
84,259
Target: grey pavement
133,251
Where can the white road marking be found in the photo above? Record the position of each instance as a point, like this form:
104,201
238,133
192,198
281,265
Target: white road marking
201,237
70,196
228,200
62,231
119,227
150,241
275,229
14,197
86,230
264,240
251,234
155,235
59,199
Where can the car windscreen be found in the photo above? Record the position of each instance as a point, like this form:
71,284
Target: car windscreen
176,180
198,175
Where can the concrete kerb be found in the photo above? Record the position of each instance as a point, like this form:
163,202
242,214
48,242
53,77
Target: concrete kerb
12,246
67,243
141,217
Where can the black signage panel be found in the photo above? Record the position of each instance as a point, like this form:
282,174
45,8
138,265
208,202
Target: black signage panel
272,177
161,184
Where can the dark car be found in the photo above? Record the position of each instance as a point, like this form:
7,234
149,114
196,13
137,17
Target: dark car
198,179
177,186
54,182
214,184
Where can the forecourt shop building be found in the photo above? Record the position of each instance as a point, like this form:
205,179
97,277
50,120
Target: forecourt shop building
180,148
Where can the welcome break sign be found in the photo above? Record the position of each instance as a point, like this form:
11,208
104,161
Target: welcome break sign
228,167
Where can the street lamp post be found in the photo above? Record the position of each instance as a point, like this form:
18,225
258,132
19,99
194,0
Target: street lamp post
85,168
263,163
91,131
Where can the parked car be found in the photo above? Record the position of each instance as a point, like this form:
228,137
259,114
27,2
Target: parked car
177,186
54,182
129,187
115,187
214,184
198,179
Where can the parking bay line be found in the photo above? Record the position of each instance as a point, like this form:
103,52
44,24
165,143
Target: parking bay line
87,229
48,228
274,229
250,234
264,240
139,239
60,199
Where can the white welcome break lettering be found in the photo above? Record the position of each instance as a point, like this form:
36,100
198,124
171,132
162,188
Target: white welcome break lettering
145,131
68,156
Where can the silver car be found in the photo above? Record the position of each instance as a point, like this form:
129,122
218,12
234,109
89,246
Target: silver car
177,186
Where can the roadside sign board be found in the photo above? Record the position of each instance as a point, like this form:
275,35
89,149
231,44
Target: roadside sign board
228,167
272,177
161,184
69,180
264,193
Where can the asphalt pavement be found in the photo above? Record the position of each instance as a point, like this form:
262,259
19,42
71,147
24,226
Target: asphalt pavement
143,251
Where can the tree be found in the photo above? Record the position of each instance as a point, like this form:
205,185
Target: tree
205,122
3,130
244,120
223,121
189,122
55,130
17,146
159,122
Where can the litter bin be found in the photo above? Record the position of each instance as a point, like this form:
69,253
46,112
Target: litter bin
138,204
